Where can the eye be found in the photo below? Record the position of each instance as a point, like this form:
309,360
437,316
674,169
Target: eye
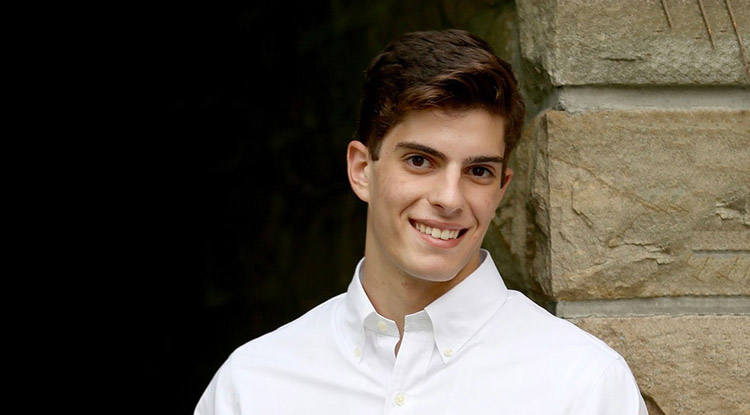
418,161
481,172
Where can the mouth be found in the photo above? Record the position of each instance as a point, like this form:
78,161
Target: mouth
438,233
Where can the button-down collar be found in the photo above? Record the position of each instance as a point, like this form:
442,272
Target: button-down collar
461,312
454,317
356,311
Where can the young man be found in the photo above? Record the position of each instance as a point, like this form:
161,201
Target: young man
427,325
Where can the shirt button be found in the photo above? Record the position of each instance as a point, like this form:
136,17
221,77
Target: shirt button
400,399
357,352
448,352
382,326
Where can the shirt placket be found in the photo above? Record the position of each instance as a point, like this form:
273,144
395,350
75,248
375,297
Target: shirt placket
407,378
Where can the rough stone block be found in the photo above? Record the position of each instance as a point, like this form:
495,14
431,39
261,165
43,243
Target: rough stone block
629,42
627,204
686,364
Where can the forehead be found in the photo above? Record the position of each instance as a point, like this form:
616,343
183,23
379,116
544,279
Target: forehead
466,133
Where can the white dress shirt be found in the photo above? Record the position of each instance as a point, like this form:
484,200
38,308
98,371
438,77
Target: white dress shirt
478,349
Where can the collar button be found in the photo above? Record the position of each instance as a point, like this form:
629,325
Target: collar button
382,326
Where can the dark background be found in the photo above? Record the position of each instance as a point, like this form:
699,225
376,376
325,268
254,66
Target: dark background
243,215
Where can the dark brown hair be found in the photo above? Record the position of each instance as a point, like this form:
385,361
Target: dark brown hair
448,70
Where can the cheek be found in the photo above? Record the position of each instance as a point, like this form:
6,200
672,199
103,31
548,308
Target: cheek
398,190
388,202
485,206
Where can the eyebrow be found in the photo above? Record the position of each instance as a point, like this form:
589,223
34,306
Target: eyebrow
484,159
408,145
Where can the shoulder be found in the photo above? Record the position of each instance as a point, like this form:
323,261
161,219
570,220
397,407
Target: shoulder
531,324
579,370
549,349
273,362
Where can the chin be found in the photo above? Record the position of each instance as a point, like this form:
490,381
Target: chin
434,277
436,272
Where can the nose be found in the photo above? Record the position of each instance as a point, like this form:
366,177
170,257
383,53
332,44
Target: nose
447,194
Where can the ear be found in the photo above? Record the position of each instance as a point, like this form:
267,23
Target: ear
504,187
359,166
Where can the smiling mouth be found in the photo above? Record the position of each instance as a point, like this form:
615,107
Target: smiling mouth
437,233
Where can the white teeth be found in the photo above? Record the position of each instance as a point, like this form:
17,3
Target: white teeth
437,233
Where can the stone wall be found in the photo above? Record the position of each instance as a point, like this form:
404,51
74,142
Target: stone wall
630,211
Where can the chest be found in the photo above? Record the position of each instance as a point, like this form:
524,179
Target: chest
422,379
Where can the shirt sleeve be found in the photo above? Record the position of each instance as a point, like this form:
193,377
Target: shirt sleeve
220,397
615,392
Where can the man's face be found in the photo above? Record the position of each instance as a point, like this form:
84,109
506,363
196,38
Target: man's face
432,194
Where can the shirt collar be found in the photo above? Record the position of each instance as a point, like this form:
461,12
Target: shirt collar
461,312
357,309
455,317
